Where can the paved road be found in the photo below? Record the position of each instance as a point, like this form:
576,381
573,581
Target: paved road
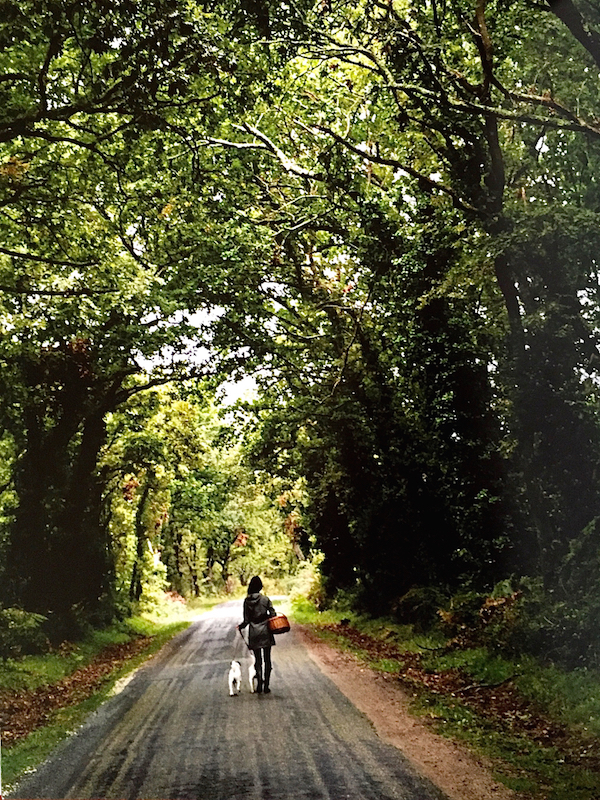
174,732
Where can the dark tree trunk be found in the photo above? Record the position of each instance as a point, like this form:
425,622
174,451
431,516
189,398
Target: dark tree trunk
580,27
87,539
59,554
136,586
193,570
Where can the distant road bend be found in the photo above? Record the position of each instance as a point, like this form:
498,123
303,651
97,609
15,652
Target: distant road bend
174,732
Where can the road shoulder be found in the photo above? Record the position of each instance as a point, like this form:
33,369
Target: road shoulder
449,765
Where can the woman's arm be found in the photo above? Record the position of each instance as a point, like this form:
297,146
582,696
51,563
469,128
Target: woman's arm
242,625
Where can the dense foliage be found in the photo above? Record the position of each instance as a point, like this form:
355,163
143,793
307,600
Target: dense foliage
386,212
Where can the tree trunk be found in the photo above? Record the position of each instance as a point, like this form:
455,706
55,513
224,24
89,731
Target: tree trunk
137,573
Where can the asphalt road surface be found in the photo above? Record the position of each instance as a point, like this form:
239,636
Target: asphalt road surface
174,732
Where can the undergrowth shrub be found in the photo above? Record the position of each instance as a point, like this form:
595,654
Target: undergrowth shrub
563,631
21,633
478,619
73,625
521,617
461,616
308,584
419,607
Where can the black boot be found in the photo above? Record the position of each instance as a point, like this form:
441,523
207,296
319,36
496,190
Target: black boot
266,689
259,686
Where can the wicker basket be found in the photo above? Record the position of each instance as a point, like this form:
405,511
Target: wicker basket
278,624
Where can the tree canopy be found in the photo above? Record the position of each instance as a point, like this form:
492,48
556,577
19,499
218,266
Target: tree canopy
385,212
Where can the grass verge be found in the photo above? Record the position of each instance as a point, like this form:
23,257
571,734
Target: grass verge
539,725
33,673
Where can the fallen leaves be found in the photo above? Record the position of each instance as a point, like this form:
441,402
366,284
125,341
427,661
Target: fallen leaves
24,711
503,704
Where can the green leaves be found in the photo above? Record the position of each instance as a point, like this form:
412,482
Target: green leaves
387,212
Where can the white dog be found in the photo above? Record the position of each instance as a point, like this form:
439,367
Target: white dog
252,678
235,678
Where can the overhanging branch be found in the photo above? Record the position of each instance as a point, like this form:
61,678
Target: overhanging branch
570,15
46,260
424,180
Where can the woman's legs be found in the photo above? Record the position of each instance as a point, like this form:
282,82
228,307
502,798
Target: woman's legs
263,683
258,666
267,669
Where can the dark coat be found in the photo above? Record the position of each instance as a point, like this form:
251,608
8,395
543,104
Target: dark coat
257,610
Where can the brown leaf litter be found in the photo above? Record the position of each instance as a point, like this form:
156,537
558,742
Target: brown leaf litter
23,711
501,704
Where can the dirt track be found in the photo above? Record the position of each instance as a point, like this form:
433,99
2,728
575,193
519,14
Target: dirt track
174,732
450,765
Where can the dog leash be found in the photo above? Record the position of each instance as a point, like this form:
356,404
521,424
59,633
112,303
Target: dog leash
243,637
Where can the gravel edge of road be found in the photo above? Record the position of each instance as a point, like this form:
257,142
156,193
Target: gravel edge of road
454,769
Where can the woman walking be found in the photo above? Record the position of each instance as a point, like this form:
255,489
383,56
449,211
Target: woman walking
257,610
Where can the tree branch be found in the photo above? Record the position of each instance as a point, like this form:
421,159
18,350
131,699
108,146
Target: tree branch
14,76
45,260
574,123
485,46
570,15
56,292
53,49
289,164
424,180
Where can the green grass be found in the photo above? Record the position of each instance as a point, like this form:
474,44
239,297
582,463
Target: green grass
482,666
305,613
30,672
521,764
570,698
161,624
33,671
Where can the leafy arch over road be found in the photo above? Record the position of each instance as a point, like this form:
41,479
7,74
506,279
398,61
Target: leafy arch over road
387,210
102,228
454,125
